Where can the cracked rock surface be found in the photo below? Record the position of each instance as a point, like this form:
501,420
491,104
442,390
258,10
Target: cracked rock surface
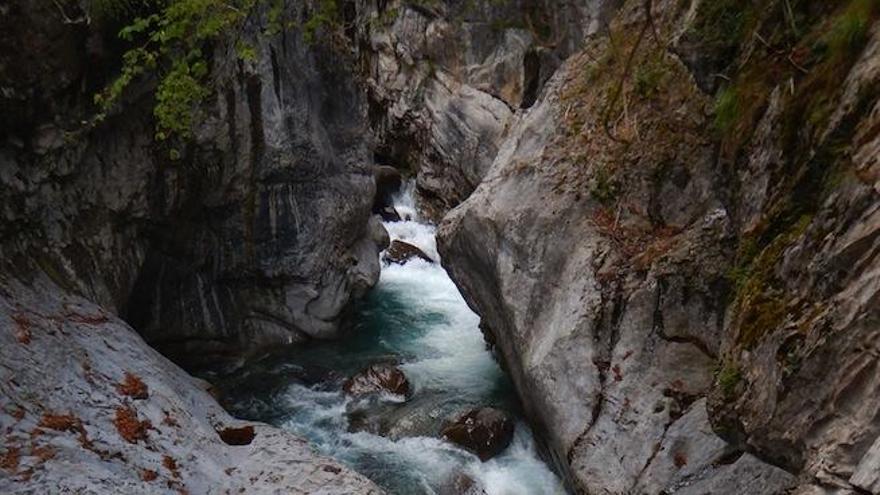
683,311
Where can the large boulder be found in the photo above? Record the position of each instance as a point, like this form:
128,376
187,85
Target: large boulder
486,432
378,378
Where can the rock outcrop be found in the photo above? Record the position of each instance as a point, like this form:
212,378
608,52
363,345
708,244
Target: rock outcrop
634,260
401,252
87,407
445,78
260,233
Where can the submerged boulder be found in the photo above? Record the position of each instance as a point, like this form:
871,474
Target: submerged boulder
485,432
376,379
401,252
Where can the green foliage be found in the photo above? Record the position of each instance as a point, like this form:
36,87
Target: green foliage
762,305
604,187
728,378
849,33
721,23
275,18
726,108
649,78
172,42
326,16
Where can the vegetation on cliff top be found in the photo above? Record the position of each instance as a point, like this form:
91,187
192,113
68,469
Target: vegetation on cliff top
171,39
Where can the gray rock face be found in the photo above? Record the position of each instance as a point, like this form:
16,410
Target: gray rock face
262,233
445,78
601,252
71,425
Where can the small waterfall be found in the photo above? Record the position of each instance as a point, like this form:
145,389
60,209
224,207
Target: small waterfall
416,318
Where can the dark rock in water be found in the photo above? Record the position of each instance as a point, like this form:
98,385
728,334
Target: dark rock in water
388,182
416,417
389,214
485,432
463,484
400,252
378,378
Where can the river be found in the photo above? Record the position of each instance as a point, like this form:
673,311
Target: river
416,318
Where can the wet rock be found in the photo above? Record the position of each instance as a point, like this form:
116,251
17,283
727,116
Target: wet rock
485,432
376,379
400,252
463,484
389,214
416,417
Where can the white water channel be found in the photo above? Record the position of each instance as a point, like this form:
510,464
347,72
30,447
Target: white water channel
417,318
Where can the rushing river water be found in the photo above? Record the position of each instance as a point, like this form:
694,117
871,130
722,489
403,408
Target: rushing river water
416,318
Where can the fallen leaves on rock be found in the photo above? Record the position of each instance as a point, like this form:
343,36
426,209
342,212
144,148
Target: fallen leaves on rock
129,427
132,386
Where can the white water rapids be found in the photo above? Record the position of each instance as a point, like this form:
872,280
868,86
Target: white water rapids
417,318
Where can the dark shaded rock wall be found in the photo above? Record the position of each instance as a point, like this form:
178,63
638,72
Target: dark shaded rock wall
261,232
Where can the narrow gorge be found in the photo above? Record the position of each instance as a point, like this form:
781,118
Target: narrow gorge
447,247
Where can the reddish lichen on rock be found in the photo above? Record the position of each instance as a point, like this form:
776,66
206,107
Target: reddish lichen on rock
132,386
129,427
22,328
171,465
10,460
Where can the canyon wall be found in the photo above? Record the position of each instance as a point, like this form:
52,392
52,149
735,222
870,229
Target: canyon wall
675,251
444,80
260,232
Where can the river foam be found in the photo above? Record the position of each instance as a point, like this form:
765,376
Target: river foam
417,318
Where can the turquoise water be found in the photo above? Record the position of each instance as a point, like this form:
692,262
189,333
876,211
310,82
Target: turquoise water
417,319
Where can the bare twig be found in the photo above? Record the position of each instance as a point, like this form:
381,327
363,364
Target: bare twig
797,66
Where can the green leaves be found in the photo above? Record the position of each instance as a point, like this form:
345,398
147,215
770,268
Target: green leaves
171,42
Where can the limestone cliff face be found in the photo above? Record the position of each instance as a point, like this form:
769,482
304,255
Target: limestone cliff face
261,233
675,252
445,78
